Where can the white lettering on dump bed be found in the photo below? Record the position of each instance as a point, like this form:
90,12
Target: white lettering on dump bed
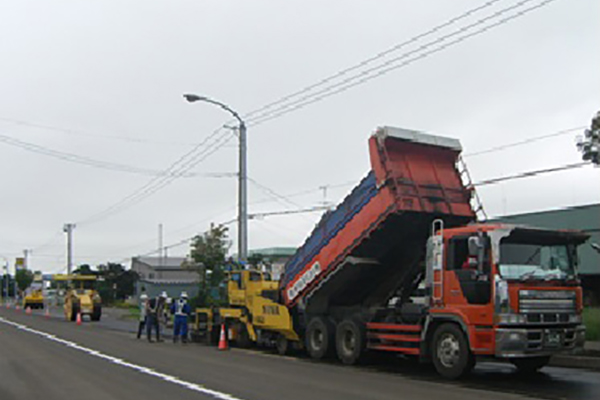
307,277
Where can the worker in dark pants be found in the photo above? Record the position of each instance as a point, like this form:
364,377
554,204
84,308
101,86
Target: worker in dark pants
143,311
181,309
154,310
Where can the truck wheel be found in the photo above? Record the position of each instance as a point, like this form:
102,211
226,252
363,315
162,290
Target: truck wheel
451,354
209,338
243,340
531,364
319,338
282,345
350,341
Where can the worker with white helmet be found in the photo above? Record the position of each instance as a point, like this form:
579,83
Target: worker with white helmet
143,308
181,309
154,310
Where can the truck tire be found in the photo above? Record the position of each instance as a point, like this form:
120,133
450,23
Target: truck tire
211,339
319,338
282,345
243,340
350,341
531,364
452,356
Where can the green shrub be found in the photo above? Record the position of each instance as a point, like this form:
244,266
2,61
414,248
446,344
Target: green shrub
591,319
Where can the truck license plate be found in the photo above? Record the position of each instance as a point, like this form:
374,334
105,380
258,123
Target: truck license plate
552,339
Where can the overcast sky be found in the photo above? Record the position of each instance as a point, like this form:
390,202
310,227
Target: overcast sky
104,80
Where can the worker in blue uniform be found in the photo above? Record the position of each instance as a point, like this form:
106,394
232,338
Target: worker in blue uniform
181,309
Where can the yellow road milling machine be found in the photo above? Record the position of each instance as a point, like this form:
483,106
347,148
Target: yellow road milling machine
252,316
81,297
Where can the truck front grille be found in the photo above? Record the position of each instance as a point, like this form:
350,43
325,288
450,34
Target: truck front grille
547,303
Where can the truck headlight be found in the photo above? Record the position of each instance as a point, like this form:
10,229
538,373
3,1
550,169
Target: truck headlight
501,299
575,319
510,319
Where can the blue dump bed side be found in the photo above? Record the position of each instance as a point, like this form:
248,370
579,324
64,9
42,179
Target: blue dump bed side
329,225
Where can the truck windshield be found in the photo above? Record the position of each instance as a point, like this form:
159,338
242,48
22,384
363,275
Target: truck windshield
525,261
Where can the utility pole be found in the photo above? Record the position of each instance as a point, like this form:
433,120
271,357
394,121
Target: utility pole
243,198
68,229
242,177
160,244
26,254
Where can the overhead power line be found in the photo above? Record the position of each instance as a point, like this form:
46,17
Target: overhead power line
73,132
345,84
180,166
287,212
270,192
371,59
75,158
522,142
397,63
530,174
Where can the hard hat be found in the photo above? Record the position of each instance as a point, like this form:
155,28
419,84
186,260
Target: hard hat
164,295
143,296
184,295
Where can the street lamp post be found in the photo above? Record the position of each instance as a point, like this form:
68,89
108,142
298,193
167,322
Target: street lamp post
242,177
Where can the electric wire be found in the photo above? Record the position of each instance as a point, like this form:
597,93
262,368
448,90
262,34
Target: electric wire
92,135
522,142
147,189
530,174
371,59
390,65
181,165
75,158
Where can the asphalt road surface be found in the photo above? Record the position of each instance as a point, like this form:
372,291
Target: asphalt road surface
54,359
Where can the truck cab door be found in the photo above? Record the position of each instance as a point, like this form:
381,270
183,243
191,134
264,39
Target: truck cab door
236,289
470,265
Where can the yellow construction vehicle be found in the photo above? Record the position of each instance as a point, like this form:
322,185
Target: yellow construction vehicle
81,297
252,316
34,299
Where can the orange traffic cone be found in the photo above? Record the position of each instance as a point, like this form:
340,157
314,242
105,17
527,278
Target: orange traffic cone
47,313
28,310
223,339
17,307
78,319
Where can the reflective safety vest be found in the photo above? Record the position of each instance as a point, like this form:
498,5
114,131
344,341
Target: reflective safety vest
180,307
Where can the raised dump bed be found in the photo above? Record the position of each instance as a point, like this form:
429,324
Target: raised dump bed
360,253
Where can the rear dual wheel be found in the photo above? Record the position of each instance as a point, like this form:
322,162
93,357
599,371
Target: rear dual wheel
350,339
320,339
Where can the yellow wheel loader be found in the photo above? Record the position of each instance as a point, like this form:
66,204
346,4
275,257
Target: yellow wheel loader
252,316
81,297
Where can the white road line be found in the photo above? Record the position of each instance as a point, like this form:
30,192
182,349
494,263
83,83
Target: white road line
144,370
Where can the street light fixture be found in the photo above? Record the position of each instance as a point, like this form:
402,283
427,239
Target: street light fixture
242,176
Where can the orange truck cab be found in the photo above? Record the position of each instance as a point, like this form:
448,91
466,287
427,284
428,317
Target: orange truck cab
512,291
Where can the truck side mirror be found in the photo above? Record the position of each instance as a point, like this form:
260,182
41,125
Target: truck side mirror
474,246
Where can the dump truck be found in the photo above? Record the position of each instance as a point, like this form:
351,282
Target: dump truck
81,297
403,266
